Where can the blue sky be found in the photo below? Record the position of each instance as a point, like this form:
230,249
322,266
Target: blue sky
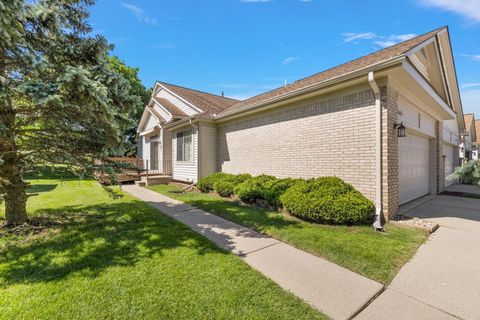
245,47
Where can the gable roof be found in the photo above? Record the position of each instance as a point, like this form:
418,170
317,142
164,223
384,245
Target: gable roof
468,121
174,111
354,65
477,129
210,104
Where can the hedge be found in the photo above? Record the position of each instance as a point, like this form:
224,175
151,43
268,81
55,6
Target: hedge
327,200
324,200
275,188
224,188
207,184
252,189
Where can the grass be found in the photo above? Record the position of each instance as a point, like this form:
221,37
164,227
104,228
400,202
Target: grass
89,256
375,255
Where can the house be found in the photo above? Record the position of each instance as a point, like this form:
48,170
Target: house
476,143
467,146
346,121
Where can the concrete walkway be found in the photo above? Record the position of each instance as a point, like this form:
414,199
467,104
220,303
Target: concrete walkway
336,291
465,188
442,281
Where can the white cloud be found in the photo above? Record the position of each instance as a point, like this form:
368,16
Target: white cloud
289,60
466,8
384,43
474,57
352,36
403,37
140,14
379,40
471,85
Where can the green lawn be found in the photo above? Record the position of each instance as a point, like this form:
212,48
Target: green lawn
375,255
92,257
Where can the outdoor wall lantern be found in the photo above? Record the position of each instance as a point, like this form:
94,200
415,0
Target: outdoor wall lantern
400,129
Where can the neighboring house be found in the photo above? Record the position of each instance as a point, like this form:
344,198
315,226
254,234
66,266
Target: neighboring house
476,142
341,122
468,138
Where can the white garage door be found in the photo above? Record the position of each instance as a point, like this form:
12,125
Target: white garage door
413,167
449,156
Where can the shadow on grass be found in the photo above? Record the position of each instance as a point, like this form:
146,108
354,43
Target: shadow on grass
39,188
87,240
249,216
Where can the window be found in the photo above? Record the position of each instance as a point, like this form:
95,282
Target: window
184,146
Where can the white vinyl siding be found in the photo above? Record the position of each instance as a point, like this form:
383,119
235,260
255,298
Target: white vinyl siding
207,149
180,104
413,118
185,170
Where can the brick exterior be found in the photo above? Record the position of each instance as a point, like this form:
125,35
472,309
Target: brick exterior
328,137
389,152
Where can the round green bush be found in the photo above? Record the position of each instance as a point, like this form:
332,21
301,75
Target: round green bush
252,189
224,188
275,188
327,200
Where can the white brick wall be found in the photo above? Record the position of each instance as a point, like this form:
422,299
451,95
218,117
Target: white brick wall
332,137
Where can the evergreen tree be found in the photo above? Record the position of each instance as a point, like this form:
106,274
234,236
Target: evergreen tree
60,101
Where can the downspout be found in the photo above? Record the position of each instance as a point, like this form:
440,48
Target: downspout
377,224
198,152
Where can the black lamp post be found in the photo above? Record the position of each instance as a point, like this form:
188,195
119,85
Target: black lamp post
400,129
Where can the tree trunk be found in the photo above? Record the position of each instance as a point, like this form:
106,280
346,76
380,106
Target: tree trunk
11,167
15,200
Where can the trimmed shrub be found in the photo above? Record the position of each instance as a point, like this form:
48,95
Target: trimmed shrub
206,183
252,189
275,188
224,188
327,200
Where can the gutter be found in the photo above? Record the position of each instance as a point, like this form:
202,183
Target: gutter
377,224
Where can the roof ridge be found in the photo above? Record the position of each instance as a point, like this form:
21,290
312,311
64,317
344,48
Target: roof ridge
409,44
196,90
377,51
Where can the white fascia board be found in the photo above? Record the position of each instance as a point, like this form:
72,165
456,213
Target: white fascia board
163,108
427,87
420,46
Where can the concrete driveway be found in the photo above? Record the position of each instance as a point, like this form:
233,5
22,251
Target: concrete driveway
442,281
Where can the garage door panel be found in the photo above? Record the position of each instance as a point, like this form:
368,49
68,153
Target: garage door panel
414,167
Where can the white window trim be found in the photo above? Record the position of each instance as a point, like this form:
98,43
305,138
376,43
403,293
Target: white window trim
191,161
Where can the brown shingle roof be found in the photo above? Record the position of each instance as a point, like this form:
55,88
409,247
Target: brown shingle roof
468,121
209,103
368,60
176,112
477,130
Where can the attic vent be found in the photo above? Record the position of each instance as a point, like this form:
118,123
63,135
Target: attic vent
424,53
